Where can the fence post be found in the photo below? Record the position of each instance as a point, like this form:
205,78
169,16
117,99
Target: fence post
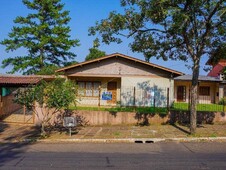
167,99
99,88
134,97
223,105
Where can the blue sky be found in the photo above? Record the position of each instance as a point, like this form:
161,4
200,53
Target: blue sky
83,13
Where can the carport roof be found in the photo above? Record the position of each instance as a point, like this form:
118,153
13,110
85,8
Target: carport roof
19,80
201,78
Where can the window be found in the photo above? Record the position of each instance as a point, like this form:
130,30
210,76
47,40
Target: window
5,91
181,93
81,88
204,90
88,88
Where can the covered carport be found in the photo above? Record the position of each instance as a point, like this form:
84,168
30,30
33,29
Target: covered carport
10,111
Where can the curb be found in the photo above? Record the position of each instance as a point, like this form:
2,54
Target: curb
128,140
136,140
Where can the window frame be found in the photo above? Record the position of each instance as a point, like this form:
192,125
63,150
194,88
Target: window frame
183,93
85,92
204,90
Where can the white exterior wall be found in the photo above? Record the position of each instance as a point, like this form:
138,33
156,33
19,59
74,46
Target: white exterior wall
144,87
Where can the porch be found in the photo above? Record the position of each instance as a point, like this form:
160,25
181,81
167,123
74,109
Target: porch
208,92
121,91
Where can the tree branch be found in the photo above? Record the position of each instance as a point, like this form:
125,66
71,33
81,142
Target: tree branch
143,31
208,27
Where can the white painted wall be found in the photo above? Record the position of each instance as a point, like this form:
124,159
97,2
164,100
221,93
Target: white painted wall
144,91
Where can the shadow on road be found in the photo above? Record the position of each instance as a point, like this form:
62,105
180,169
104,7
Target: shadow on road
11,146
9,152
3,127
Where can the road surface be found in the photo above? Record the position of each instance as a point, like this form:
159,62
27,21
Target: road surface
166,155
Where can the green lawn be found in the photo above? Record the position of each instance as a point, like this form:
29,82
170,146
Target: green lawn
123,109
200,107
150,110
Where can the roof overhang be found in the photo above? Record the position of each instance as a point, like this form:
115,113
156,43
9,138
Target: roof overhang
174,72
19,80
200,79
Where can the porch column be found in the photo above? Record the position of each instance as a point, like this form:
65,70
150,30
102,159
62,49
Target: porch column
221,91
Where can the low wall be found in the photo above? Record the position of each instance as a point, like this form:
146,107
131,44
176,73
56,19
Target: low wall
117,118
104,117
202,117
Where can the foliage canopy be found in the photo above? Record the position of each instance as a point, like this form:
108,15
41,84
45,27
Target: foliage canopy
51,97
44,34
94,53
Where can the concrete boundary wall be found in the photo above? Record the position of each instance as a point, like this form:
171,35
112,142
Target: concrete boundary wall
117,118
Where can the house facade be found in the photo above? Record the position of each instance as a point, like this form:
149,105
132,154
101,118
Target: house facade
209,90
120,79
212,88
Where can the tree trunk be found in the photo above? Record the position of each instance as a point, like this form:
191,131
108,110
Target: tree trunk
43,132
194,97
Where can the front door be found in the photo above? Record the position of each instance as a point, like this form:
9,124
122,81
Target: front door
112,87
181,93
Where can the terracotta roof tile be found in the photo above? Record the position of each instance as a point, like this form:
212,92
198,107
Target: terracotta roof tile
12,79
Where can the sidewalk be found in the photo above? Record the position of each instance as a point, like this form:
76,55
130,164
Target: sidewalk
15,132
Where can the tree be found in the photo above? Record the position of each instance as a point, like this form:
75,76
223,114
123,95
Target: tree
169,29
51,98
70,63
94,53
44,34
48,70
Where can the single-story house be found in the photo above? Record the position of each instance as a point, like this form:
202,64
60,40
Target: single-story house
212,88
209,89
121,79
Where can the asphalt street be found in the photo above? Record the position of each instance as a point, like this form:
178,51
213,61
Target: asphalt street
165,155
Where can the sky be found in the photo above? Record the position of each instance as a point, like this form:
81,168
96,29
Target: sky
84,14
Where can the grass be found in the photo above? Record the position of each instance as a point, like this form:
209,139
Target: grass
147,110
117,134
200,107
157,110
